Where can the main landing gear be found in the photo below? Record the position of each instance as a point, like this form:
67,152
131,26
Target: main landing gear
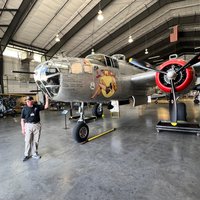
81,130
97,110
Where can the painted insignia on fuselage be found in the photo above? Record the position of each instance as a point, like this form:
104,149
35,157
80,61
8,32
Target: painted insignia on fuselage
107,85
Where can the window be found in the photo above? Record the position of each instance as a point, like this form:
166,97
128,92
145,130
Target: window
108,61
51,71
115,63
97,59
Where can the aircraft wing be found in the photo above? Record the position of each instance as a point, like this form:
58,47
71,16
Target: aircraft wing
143,85
197,69
144,80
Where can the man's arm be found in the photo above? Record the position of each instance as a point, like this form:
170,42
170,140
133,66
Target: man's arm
23,126
46,101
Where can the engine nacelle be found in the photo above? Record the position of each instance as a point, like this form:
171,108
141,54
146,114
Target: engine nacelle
183,79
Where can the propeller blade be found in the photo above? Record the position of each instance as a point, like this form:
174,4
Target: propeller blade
143,65
193,61
173,106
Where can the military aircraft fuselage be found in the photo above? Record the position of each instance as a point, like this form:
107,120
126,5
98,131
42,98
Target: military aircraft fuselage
100,78
96,78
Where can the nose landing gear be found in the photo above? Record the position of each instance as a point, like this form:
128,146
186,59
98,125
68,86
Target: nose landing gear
81,131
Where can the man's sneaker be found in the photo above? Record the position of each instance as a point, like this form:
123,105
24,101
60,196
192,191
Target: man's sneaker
36,156
26,158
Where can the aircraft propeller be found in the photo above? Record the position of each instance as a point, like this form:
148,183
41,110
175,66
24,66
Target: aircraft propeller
193,61
171,75
144,65
173,105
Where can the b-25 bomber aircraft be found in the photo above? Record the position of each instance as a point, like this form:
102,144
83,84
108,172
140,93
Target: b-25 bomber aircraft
100,78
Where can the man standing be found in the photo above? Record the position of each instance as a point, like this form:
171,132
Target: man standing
31,127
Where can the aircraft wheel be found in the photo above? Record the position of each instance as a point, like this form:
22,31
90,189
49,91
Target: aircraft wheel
182,114
80,132
196,101
97,110
13,114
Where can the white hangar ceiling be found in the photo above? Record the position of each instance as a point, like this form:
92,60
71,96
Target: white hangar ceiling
34,24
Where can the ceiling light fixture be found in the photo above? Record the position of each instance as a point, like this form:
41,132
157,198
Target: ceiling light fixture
145,44
100,16
92,52
130,39
57,39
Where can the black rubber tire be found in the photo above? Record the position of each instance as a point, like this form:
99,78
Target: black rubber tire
1,115
80,132
196,101
13,114
181,112
96,111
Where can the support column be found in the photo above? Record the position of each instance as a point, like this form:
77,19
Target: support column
1,74
25,67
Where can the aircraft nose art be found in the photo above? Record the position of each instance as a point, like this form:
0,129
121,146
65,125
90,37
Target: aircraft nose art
47,78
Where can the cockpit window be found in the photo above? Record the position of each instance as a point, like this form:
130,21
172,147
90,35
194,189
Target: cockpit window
108,61
102,59
98,59
115,63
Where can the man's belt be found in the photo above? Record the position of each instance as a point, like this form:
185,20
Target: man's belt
32,122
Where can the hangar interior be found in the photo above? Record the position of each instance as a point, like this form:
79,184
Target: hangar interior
134,161
75,25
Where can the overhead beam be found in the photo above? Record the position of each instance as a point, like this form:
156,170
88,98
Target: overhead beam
164,48
17,20
87,18
17,44
181,49
1,74
157,33
8,10
4,25
145,14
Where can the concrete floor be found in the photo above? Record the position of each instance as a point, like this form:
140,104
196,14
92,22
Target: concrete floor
131,163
